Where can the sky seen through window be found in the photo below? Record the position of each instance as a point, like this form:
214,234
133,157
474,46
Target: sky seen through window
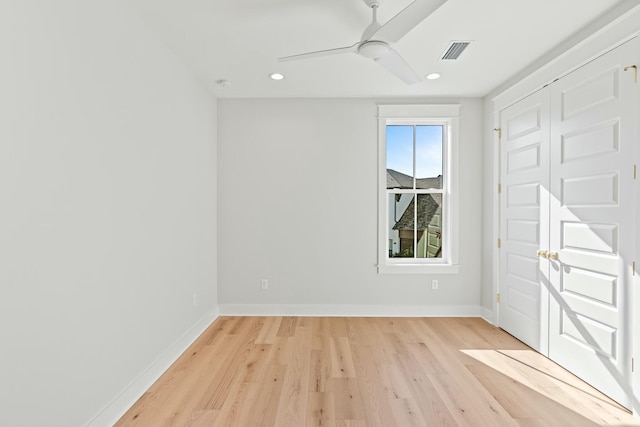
428,150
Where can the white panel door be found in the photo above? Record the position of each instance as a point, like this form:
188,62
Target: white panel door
524,212
593,122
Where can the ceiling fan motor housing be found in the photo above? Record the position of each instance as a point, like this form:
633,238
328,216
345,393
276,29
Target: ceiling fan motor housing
373,49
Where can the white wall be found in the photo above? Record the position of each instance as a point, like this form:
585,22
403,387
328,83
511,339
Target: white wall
107,206
298,206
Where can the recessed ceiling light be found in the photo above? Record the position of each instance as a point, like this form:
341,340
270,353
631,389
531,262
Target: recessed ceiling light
276,76
223,83
433,76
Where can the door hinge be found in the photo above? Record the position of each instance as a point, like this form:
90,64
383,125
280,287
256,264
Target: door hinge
498,298
499,243
633,267
499,130
635,172
635,72
499,188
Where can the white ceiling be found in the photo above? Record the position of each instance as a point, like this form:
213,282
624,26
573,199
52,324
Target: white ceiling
240,41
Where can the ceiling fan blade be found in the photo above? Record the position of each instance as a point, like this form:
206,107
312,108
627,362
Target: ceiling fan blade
406,20
393,62
327,52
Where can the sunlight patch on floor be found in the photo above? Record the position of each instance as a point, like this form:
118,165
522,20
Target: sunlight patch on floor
542,375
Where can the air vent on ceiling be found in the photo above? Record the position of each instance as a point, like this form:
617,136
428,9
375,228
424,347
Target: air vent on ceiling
454,50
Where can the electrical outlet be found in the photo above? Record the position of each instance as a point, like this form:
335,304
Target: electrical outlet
264,284
434,284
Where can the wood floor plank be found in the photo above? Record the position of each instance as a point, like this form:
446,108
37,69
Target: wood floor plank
480,335
346,395
320,333
269,331
395,384
283,350
407,413
341,360
406,333
190,375
318,370
351,423
433,407
551,384
239,323
470,405
532,422
232,367
241,401
355,372
304,322
508,393
212,381
362,331
531,361
320,411
374,397
338,327
203,418
287,327
179,386
293,401
468,401
257,357
386,324
265,409
320,326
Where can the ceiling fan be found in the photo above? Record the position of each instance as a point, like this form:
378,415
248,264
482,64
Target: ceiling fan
376,39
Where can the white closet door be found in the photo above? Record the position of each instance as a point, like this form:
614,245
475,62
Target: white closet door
524,211
593,122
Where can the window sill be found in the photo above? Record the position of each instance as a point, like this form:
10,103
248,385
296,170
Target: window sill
419,269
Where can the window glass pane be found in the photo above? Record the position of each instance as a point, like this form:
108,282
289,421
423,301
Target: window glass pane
399,156
429,226
401,213
429,156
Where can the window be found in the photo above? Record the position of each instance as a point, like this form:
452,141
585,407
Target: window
417,197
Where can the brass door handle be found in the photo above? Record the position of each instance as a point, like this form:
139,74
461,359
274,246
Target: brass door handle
553,255
635,71
542,254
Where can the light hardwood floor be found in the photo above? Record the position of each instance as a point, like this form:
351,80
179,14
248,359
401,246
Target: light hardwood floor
355,372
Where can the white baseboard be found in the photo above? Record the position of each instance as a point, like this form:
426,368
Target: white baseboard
113,411
348,310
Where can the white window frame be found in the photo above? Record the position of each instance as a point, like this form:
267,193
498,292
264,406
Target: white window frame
446,115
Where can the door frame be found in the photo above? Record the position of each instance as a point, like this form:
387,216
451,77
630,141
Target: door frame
634,292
